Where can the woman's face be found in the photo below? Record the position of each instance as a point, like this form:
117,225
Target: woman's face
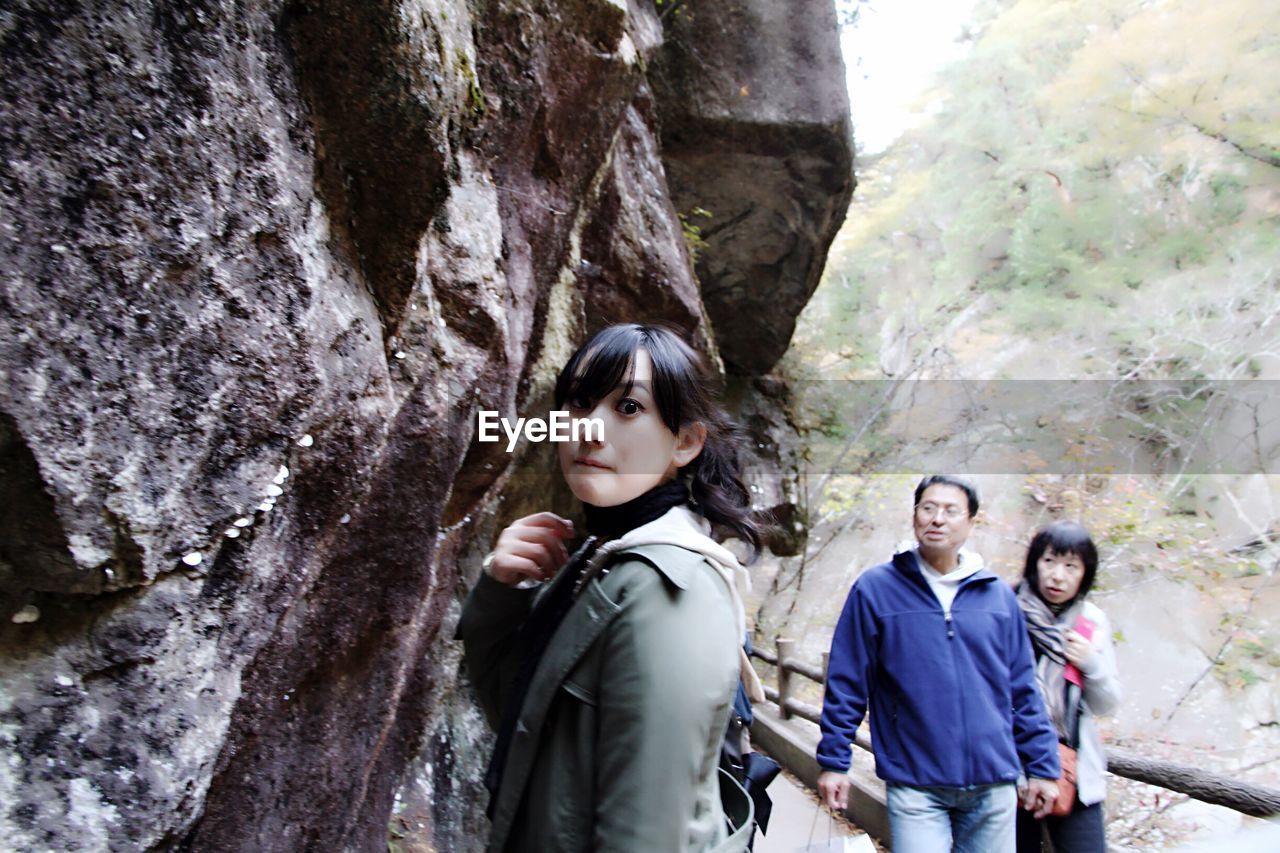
636,451
1060,575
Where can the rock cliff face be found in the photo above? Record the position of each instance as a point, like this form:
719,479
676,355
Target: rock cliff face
765,152
262,263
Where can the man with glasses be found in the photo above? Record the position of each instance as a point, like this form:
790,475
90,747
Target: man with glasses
936,646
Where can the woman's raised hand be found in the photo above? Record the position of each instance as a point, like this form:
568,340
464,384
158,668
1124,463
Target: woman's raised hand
532,548
1079,649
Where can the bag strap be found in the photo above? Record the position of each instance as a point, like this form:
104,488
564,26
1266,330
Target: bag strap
1071,714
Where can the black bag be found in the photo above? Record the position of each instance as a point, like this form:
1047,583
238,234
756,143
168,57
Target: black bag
752,770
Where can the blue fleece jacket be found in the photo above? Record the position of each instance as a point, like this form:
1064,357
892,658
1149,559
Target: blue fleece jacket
953,698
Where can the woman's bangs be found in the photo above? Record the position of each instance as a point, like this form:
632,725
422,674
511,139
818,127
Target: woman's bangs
1067,539
598,370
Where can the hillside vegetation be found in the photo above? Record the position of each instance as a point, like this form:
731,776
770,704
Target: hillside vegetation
1104,175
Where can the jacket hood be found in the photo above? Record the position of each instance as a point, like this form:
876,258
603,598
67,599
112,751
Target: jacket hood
908,554
684,528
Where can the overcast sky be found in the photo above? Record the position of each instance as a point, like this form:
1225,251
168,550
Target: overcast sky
891,55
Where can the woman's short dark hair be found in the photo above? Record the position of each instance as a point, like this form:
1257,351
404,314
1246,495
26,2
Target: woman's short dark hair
969,489
684,392
1062,537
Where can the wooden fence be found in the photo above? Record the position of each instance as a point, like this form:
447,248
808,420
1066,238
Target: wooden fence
1203,785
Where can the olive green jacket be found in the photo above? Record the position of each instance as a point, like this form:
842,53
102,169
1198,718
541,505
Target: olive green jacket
618,742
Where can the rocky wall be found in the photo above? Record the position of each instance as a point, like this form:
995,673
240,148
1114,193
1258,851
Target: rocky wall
260,263
758,158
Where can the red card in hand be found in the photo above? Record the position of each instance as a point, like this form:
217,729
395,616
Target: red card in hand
1083,627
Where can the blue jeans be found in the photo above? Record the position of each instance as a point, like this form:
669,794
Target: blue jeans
978,819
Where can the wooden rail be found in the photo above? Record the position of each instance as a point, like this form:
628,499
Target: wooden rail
1203,785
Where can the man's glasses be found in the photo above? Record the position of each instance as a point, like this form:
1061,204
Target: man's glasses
951,512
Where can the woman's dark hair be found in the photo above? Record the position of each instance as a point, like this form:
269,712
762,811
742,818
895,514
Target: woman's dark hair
1062,537
684,392
969,489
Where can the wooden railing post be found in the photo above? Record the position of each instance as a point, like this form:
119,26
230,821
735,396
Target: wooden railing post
784,676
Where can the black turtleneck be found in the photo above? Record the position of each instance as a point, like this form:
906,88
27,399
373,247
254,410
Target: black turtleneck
610,522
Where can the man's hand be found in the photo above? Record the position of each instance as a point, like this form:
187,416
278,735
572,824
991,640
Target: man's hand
833,788
1040,796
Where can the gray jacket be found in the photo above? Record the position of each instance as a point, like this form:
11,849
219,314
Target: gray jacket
1101,696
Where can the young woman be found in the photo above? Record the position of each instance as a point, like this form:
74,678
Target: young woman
609,675
1076,668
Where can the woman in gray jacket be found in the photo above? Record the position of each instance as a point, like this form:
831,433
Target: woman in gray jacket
1076,669
609,674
